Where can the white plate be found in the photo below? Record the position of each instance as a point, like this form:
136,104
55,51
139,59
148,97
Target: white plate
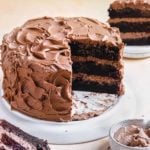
75,131
137,52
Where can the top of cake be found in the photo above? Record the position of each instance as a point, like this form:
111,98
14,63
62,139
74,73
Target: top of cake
136,4
47,39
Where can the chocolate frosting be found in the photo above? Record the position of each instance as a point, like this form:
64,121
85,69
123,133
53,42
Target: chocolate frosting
133,136
37,66
135,4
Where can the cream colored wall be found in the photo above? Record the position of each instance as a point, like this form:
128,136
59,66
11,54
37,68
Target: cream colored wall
16,12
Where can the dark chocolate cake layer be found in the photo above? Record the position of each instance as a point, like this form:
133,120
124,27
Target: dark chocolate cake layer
37,62
138,41
81,85
91,68
13,138
83,82
129,8
98,51
132,26
128,13
87,85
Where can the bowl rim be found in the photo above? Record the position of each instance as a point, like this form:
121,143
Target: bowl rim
111,135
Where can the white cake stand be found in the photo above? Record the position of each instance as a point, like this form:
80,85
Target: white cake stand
75,131
137,52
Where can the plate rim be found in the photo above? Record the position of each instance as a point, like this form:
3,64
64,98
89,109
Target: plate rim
136,51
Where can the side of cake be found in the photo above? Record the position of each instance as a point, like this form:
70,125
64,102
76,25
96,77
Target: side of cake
13,138
37,70
47,58
97,64
132,17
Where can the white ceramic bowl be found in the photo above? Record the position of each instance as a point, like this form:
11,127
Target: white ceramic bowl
115,145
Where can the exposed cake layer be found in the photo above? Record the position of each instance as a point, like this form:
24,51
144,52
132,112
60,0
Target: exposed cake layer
93,83
130,8
95,68
113,88
97,51
131,24
136,38
138,41
12,138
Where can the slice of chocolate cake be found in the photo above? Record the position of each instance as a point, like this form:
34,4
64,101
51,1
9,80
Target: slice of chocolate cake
47,58
13,138
132,17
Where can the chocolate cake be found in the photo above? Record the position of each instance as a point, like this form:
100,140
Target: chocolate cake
47,58
132,17
13,138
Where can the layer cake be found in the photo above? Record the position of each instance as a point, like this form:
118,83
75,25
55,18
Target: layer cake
47,58
132,17
13,138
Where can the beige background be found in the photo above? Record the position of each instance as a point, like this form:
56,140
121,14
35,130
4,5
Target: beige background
137,72
15,12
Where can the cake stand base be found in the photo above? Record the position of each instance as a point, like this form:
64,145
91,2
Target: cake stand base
75,131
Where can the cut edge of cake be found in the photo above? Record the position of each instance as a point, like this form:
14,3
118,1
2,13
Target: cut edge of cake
132,17
12,137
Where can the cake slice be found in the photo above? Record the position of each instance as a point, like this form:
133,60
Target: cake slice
132,17
13,138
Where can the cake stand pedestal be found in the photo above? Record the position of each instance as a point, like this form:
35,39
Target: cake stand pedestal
137,52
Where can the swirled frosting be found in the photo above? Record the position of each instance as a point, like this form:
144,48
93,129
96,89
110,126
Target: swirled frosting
134,136
37,66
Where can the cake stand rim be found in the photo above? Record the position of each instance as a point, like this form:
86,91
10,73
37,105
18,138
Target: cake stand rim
137,52
76,133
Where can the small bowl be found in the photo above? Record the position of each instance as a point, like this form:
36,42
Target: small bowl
115,145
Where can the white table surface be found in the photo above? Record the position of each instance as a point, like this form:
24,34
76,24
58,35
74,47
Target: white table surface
137,72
